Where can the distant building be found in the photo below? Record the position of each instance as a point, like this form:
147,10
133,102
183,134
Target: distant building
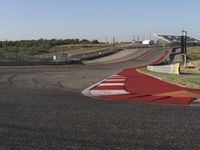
148,42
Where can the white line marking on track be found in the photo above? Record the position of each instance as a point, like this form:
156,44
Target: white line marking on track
111,84
197,101
115,80
115,75
108,92
93,93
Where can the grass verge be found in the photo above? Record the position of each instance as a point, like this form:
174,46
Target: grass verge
188,80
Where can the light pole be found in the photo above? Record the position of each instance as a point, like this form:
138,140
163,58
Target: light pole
184,47
164,53
6,44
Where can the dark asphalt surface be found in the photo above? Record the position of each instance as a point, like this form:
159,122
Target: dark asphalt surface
41,108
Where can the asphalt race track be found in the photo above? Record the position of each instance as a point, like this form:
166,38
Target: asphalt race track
42,108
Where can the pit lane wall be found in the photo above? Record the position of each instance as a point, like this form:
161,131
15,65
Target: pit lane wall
170,69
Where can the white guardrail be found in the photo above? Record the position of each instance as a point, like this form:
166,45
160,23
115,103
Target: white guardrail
170,69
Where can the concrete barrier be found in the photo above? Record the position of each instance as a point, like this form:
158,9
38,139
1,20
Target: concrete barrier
170,69
32,63
95,55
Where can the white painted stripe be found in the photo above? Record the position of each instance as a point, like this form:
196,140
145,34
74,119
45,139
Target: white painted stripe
115,80
115,75
86,92
111,84
108,92
197,101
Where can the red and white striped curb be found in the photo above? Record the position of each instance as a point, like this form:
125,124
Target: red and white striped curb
113,85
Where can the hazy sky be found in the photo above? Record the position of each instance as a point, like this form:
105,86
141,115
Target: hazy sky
96,19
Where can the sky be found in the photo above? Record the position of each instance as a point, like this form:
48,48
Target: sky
97,19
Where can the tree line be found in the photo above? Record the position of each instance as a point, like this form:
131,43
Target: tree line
38,46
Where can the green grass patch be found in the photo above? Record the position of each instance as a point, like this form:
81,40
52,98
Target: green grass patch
194,53
188,80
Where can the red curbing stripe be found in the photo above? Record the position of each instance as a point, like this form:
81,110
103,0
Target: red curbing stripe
109,88
175,100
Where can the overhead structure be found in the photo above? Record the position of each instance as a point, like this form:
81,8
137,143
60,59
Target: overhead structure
173,39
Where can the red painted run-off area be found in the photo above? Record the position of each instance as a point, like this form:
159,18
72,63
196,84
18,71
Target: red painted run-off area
138,87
